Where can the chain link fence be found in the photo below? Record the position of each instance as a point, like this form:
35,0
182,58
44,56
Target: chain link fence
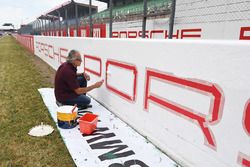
210,11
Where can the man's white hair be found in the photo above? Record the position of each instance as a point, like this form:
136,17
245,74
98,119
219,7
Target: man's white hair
72,56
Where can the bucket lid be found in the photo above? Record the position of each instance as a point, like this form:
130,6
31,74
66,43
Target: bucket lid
67,109
41,130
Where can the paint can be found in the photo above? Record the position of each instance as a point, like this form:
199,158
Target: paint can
67,116
88,123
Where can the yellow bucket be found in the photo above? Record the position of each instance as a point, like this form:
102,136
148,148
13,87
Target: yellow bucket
65,117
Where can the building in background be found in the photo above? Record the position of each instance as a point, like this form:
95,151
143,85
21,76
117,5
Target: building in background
7,28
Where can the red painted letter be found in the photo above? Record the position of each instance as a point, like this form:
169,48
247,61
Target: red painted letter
210,90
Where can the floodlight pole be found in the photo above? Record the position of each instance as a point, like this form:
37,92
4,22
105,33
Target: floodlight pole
145,11
110,18
90,19
171,19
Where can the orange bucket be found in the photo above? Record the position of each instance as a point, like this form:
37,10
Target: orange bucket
88,123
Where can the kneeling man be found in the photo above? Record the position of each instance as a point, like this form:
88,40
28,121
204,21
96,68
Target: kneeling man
71,87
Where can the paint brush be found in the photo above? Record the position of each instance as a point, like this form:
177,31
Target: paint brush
74,108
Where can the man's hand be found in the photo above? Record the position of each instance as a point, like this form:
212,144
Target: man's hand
82,90
87,77
98,84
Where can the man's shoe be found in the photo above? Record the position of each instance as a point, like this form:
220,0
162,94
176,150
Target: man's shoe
59,104
82,107
82,112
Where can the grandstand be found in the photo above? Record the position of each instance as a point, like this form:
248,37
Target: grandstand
133,10
71,17
61,18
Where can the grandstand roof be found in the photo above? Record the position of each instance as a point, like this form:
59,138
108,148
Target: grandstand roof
83,10
48,17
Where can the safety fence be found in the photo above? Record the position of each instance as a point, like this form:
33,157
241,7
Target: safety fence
26,40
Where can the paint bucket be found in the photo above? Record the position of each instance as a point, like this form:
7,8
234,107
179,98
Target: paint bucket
66,116
88,123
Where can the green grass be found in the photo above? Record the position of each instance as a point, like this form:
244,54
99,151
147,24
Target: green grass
21,108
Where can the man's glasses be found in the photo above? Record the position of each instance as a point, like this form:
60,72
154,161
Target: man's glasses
79,59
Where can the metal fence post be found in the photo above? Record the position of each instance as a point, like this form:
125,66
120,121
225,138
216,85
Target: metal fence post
145,11
76,16
110,18
171,19
66,18
90,18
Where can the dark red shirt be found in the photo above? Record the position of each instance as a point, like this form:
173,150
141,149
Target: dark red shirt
66,82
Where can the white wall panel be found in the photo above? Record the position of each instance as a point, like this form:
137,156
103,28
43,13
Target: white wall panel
190,98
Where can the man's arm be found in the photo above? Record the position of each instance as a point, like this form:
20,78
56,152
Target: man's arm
80,90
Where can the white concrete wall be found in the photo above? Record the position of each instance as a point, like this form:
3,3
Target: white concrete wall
190,98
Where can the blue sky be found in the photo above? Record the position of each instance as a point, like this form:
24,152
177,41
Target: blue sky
25,11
